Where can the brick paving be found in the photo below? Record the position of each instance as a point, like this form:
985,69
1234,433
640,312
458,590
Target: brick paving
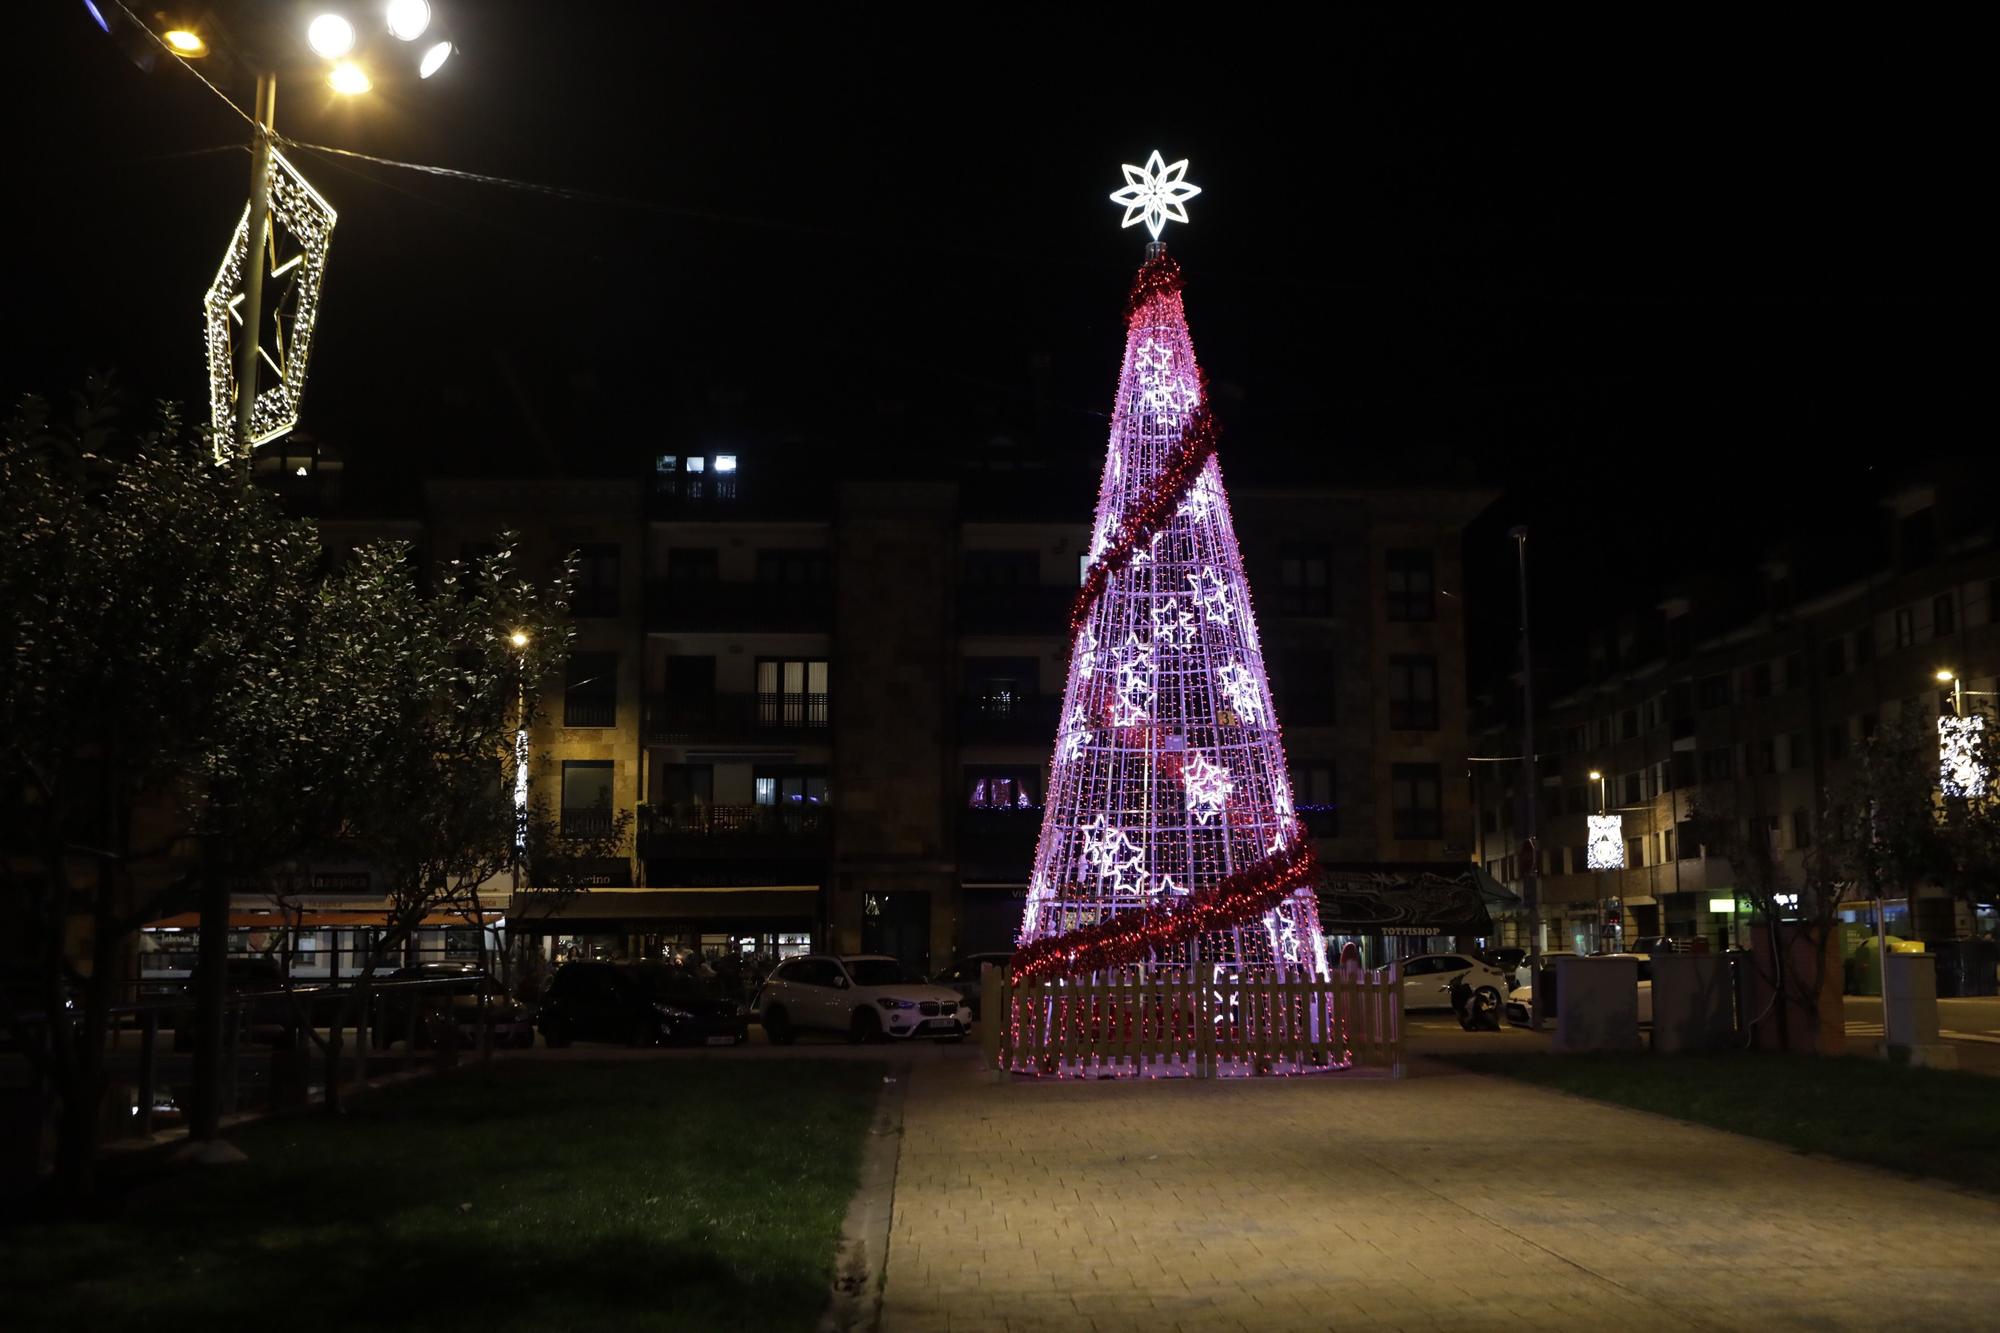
1443,1201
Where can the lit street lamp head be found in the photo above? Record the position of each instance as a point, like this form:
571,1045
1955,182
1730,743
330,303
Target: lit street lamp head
518,638
348,79
1945,676
185,44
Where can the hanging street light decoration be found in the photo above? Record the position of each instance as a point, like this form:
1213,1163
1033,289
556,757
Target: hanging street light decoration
1605,847
1962,771
293,251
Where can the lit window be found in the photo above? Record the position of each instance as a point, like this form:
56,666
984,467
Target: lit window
667,463
725,462
697,465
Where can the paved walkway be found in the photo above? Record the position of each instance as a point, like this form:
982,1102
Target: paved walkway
1445,1201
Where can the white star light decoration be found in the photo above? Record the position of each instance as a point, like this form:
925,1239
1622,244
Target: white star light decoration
1114,856
303,221
1155,194
1244,697
1208,786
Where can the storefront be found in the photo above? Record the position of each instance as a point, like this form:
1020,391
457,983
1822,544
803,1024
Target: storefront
1396,909
767,922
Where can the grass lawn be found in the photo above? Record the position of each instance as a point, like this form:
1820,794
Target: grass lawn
668,1194
1927,1122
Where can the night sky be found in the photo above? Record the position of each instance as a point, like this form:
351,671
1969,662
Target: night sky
1668,282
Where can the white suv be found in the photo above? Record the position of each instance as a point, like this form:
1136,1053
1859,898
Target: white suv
866,996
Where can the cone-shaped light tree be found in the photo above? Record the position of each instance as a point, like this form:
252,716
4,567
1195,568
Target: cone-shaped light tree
1169,836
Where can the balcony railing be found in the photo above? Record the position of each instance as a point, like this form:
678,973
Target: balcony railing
998,842
788,829
1009,717
588,822
714,717
586,711
704,605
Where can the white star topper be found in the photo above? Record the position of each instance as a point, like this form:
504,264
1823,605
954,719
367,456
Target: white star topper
1155,194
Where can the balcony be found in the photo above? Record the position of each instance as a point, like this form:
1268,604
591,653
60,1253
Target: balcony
735,717
590,711
1009,718
1014,608
737,607
998,843
796,830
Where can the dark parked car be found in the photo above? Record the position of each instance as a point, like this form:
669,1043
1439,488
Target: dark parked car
964,976
640,1004
456,1007
273,1021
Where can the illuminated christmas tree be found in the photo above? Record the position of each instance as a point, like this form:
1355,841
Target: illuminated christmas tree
1170,836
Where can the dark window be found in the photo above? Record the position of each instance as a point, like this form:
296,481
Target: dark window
789,787
1836,741
1579,860
1631,789
1628,724
1413,703
1864,645
1635,853
1716,765
1667,845
1416,800
1314,796
691,564
1763,756
690,677
1801,829
1001,687
1865,725
1681,769
1906,626
596,590
1002,789
1712,691
1760,681
1308,683
1604,731
791,692
1305,584
586,797
1835,661
1944,615
1003,569
1412,585
1794,677
683,786
590,690
793,566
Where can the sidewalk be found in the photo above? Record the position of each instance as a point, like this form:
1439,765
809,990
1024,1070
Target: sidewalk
1445,1201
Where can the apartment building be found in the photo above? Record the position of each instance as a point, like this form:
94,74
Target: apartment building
829,700
1748,704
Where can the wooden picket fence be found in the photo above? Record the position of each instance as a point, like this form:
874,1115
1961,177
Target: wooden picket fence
1193,1023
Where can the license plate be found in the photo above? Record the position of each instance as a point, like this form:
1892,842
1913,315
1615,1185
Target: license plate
722,1041
942,1023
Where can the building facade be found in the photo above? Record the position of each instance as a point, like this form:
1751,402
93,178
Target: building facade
1748,706
830,703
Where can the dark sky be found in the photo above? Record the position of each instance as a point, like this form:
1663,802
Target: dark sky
1667,279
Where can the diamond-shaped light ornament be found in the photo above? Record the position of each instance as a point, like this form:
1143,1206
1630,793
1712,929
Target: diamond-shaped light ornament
1155,194
301,224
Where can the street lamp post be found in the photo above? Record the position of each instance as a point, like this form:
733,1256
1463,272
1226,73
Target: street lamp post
1531,880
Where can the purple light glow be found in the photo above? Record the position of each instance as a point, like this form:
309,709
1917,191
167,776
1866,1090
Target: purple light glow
1169,772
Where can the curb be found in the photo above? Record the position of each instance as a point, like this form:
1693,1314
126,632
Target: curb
861,1263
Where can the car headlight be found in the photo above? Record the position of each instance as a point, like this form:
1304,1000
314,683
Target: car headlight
668,1011
888,1003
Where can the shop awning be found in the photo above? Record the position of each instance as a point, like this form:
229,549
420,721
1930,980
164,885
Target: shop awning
702,902
313,919
1406,898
